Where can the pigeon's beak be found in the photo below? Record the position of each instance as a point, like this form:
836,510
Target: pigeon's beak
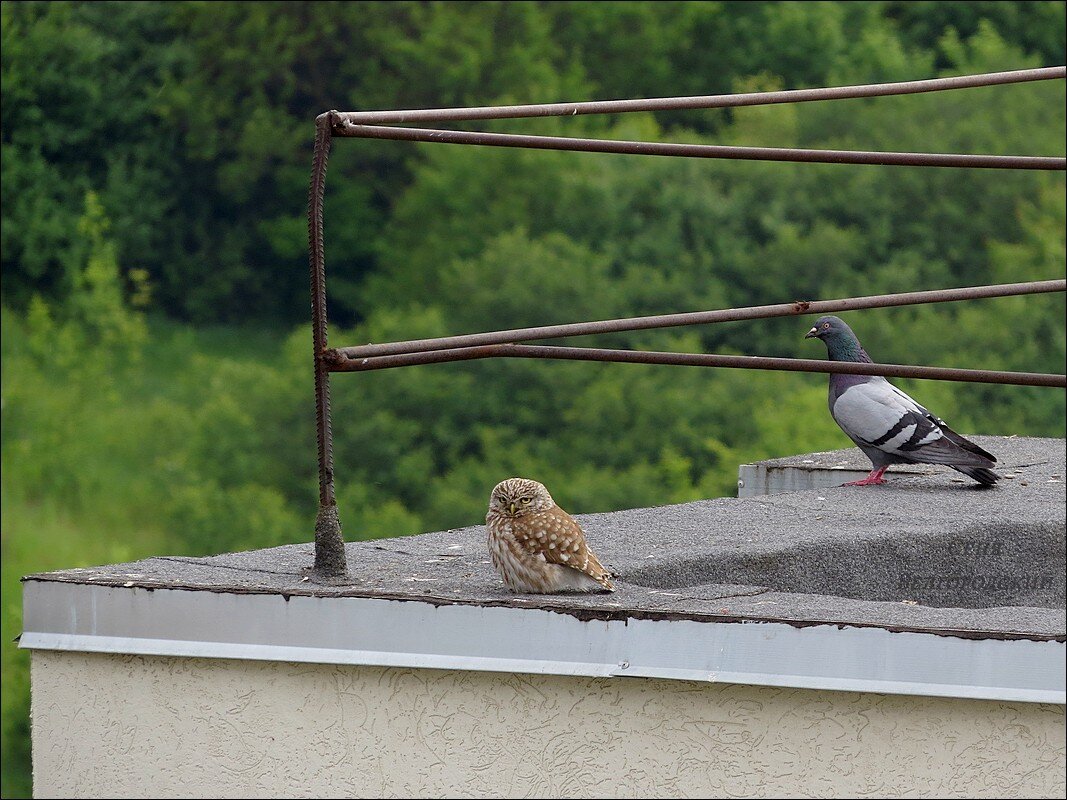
812,334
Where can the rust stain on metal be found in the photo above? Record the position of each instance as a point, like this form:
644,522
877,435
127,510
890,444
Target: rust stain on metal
329,542
789,154
703,318
700,360
402,116
332,356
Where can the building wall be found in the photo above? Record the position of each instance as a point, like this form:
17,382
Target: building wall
134,726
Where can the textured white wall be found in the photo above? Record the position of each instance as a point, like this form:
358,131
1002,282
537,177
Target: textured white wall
133,726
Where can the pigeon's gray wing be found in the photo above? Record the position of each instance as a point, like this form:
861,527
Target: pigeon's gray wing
878,414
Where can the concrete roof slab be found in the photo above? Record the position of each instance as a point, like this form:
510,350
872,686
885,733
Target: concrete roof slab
925,552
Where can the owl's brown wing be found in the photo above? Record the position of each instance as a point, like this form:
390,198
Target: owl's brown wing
558,537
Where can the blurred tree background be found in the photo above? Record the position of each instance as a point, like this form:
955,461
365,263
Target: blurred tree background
157,393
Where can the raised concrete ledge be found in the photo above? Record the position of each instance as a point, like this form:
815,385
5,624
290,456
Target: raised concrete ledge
832,468
923,586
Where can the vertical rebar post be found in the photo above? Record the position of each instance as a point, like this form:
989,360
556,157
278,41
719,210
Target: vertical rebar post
330,561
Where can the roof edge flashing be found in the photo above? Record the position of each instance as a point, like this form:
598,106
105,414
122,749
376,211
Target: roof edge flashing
390,633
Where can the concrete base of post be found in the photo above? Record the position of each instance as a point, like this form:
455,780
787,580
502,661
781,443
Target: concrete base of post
330,564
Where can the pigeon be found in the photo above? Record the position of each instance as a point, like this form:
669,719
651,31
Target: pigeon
886,424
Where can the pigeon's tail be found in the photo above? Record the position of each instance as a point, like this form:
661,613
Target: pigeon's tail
965,444
984,476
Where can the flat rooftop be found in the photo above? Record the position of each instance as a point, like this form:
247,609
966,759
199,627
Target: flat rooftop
926,553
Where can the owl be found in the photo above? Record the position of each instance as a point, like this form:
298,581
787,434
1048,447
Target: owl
536,546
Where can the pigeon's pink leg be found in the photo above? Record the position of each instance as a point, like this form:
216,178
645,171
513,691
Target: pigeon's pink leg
874,479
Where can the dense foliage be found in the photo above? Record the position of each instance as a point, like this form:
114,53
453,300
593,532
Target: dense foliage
156,359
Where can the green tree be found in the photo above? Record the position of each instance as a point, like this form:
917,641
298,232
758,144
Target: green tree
81,82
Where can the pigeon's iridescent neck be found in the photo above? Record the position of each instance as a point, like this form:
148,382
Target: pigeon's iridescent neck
846,348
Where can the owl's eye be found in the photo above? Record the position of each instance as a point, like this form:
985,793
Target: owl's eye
526,501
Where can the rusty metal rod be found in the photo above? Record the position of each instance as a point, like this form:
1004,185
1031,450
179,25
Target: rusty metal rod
696,360
702,150
697,102
330,562
701,318
318,308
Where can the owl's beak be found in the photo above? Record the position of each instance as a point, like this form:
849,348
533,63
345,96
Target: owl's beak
812,334
511,507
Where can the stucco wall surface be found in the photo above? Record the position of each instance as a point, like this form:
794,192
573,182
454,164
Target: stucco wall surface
135,726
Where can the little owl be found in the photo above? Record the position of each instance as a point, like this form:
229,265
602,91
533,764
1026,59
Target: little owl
536,546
